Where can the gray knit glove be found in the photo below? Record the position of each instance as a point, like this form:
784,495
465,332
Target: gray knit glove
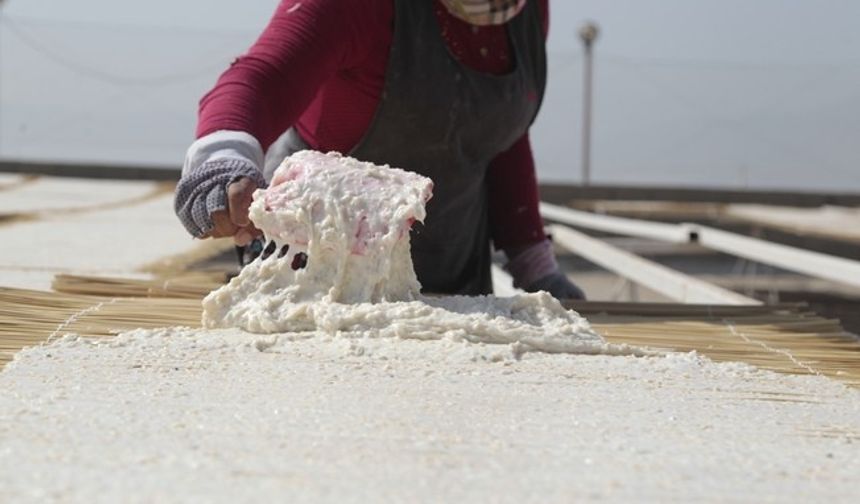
203,190
534,268
558,285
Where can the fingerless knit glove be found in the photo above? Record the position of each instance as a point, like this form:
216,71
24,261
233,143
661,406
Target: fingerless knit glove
203,191
534,268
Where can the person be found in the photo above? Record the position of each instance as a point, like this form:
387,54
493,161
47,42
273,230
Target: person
444,88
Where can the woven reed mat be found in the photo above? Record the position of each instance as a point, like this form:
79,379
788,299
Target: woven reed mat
785,338
18,182
185,285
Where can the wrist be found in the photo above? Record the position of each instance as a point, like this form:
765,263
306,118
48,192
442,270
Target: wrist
529,263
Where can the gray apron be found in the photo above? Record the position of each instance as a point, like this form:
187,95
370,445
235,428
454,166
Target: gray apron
444,120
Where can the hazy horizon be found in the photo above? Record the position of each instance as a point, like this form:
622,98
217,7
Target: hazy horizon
734,94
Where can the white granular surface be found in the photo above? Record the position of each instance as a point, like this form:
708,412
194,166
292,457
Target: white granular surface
225,416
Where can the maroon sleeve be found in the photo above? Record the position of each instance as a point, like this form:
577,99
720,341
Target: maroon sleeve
513,191
513,197
306,42
544,16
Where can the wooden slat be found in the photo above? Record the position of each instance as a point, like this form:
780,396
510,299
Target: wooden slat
618,225
784,338
671,283
815,264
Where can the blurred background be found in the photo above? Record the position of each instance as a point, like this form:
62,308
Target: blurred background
689,93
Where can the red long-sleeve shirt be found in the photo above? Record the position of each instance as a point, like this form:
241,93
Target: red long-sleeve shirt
320,66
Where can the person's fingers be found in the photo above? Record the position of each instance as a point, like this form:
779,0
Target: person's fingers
244,236
256,233
222,224
239,197
233,221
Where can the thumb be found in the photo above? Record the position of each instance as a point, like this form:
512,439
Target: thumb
240,194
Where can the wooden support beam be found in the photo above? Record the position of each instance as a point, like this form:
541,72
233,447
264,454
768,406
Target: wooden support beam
807,262
617,225
815,264
671,283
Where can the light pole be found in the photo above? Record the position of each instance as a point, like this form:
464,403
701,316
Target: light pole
588,33
2,2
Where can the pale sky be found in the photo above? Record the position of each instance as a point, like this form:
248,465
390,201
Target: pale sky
730,93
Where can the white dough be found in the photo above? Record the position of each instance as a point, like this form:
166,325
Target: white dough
353,219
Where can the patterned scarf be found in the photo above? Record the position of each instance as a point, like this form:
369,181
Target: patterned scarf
484,12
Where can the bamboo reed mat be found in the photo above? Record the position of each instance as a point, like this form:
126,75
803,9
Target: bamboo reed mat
187,285
157,191
786,338
18,182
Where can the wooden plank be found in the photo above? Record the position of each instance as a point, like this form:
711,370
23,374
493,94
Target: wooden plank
660,231
563,193
815,264
671,283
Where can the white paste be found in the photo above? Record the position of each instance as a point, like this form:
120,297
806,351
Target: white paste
353,219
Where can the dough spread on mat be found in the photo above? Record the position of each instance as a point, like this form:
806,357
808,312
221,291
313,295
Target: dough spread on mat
342,265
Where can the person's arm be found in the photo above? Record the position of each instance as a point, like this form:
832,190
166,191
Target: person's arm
517,227
305,43
515,220
258,98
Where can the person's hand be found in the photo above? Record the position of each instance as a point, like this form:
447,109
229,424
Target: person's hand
233,221
558,285
534,268
213,199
